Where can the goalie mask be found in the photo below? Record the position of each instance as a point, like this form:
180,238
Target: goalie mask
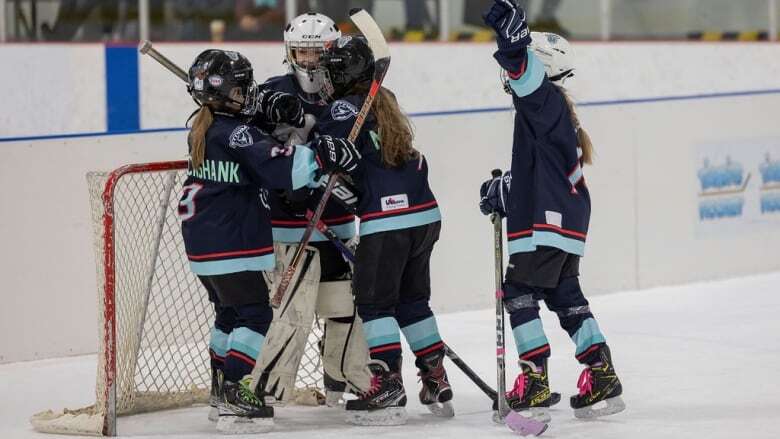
223,80
306,37
348,63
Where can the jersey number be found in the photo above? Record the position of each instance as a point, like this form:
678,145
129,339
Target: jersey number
187,202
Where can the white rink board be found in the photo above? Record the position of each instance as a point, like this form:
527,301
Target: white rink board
644,229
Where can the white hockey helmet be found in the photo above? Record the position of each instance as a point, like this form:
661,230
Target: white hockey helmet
555,53
305,39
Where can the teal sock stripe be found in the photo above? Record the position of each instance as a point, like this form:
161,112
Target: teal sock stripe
246,341
218,342
529,336
382,332
422,334
588,335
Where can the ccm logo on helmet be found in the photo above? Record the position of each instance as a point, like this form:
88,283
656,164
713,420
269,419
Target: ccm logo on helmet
311,37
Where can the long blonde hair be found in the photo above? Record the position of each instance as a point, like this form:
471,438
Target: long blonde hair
395,130
197,136
583,139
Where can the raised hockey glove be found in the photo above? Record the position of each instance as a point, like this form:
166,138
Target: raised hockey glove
512,34
494,195
336,154
279,107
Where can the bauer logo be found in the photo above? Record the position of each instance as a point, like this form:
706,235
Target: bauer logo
343,110
240,137
395,202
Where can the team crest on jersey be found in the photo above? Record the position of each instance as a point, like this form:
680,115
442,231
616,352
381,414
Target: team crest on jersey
343,110
240,137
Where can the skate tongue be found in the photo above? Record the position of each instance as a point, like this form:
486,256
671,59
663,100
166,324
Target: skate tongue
585,382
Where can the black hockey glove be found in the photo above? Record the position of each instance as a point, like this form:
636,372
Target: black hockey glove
336,154
512,34
494,195
279,107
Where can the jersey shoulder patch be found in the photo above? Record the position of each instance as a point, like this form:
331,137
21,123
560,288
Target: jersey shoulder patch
343,110
241,137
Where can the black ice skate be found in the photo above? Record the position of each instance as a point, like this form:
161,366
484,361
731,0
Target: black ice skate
436,393
531,395
600,389
384,402
241,411
214,396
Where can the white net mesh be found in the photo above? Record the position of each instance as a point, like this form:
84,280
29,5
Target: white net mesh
162,313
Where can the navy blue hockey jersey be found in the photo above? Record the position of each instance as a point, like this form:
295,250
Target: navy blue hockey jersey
390,198
288,210
224,210
549,204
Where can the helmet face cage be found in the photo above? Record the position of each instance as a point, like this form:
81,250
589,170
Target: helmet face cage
306,38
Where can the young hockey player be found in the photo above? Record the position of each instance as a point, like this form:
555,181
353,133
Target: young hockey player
548,208
326,287
226,220
399,224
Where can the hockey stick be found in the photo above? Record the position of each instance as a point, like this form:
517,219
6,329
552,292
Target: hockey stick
381,52
498,256
483,386
146,49
332,237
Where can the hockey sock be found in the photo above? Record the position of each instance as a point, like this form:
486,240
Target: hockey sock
218,345
423,336
384,340
243,351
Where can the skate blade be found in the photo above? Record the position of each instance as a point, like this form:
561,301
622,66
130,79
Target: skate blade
381,417
441,409
228,424
213,414
602,408
524,426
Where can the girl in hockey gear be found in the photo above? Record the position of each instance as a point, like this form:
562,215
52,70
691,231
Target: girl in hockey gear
548,208
226,222
399,225
326,285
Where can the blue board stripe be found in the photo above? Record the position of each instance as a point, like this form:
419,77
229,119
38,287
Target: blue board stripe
122,96
429,114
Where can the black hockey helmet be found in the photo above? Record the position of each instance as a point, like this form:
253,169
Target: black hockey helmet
224,80
348,63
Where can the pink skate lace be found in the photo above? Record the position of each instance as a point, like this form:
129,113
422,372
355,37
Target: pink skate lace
518,389
585,382
375,385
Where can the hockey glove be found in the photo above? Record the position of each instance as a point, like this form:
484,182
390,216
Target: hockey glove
279,107
336,154
494,195
512,35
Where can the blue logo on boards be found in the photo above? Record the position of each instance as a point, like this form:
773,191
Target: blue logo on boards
770,185
722,190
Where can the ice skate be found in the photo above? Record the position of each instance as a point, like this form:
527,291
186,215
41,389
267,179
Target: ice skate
384,402
600,390
530,396
214,397
241,411
436,393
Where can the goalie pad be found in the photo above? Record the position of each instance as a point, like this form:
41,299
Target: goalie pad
286,339
345,352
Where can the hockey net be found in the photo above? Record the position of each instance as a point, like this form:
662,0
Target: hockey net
154,315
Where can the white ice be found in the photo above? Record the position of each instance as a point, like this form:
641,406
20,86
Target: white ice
696,361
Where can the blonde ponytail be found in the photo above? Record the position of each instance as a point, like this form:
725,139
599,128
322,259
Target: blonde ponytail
583,139
197,136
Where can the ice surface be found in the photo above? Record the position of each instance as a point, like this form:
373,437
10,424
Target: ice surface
696,361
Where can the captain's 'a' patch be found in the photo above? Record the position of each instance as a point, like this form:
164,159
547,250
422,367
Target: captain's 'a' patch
343,110
240,137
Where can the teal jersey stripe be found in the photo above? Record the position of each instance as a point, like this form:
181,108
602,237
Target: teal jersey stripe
521,245
218,342
531,79
382,331
294,235
529,336
246,341
588,335
226,266
400,222
548,239
422,334
303,167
